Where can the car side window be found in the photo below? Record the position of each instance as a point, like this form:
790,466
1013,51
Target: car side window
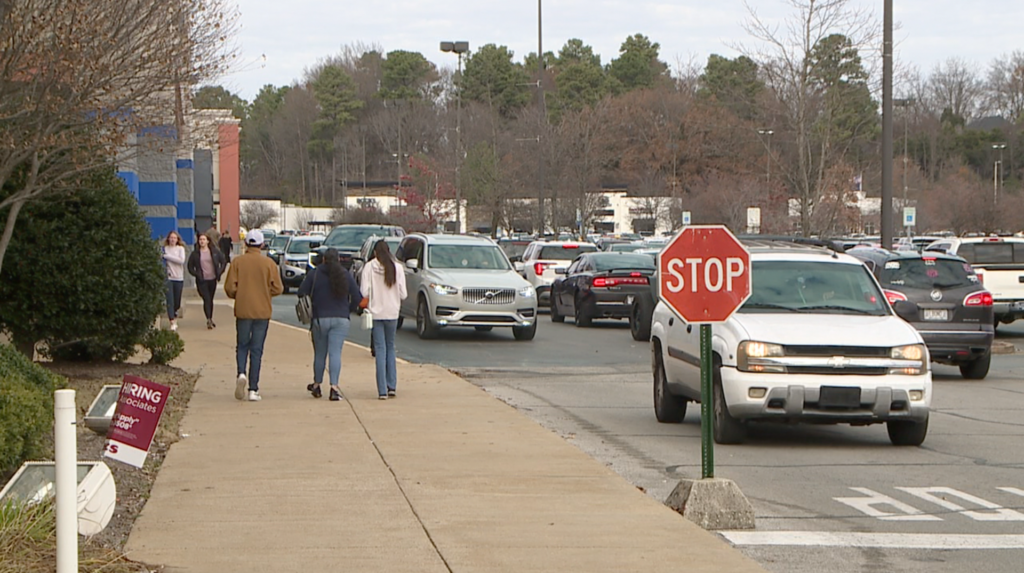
573,267
407,250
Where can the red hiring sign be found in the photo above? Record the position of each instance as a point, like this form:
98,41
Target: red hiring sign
704,274
139,406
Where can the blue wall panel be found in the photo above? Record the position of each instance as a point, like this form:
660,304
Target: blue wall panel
188,235
158,193
131,180
161,226
186,210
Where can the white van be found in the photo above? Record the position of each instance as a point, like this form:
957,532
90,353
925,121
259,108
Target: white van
999,262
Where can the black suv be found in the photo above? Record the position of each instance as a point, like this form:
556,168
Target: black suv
348,239
943,298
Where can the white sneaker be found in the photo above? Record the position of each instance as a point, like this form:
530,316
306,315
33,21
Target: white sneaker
174,325
254,396
240,385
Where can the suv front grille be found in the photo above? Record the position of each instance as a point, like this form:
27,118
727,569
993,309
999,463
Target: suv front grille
488,295
794,350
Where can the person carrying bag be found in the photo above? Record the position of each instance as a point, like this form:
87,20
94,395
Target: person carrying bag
384,280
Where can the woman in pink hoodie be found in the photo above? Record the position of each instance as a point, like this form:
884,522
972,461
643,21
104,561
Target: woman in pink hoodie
383,279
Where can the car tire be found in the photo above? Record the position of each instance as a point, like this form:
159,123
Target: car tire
484,328
728,430
556,317
525,333
668,409
425,327
639,322
580,314
907,432
976,369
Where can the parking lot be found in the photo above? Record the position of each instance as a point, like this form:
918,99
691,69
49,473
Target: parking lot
819,492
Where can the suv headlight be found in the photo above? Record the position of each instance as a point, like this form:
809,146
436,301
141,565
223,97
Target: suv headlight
754,356
917,354
444,289
527,292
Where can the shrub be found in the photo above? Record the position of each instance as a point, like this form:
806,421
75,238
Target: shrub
26,408
82,267
163,345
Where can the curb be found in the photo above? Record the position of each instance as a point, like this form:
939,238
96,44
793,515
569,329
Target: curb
1000,347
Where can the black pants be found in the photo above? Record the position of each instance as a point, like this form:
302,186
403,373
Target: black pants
174,298
206,289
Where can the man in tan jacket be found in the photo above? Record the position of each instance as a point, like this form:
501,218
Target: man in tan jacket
252,280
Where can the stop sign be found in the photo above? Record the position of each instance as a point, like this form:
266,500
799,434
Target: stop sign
704,274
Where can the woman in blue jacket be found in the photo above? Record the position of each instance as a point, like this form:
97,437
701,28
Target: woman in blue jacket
335,296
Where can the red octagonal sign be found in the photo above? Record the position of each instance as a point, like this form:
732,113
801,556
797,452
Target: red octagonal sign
704,274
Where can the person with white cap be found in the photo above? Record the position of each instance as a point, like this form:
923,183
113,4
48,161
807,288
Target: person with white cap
252,280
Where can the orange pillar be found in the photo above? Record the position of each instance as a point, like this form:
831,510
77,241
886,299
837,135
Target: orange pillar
229,176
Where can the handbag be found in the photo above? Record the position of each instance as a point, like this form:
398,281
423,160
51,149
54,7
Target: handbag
304,306
367,316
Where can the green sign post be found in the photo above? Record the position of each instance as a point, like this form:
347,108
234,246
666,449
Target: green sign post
707,406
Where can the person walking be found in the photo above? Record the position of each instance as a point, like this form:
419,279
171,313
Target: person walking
225,244
252,280
384,280
207,265
335,296
174,262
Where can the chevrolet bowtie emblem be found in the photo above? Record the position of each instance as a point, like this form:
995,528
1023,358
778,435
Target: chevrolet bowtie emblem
839,362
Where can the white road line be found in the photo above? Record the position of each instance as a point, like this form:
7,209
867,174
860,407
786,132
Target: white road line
939,495
867,505
876,540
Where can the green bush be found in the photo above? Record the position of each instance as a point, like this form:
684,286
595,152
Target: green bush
163,345
82,274
26,408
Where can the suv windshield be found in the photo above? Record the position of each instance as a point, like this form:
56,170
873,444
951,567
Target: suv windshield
807,286
927,273
623,261
483,257
301,247
992,253
564,253
279,241
350,238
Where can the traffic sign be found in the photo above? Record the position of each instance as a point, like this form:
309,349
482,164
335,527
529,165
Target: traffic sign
686,218
704,274
909,216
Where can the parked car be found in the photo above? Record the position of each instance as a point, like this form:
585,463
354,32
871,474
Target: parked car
542,259
625,247
600,285
277,246
294,261
943,298
365,253
999,262
816,342
458,280
348,239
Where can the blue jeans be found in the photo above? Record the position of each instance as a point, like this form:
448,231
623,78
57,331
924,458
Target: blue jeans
383,335
174,298
252,333
329,336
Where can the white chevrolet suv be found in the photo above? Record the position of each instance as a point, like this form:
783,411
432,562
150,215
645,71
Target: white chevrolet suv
816,342
999,263
541,259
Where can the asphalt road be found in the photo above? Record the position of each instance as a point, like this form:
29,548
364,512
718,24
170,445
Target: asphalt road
827,498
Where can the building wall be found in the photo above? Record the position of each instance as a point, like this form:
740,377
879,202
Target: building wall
158,179
229,174
203,187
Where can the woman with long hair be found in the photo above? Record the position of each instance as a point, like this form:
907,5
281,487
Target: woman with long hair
384,279
335,296
206,263
174,262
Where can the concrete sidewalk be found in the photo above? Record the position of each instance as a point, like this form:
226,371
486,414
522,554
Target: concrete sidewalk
443,478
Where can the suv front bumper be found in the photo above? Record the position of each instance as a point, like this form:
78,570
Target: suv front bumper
521,314
795,397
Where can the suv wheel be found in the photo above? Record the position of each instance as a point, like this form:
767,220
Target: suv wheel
668,409
582,318
425,327
555,315
640,322
728,430
976,369
907,432
525,332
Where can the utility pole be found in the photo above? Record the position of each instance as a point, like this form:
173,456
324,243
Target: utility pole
886,230
459,48
543,117
768,158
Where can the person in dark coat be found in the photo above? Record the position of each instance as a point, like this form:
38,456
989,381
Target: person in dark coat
225,244
207,264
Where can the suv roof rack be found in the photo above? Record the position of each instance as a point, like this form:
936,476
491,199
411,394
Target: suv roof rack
800,244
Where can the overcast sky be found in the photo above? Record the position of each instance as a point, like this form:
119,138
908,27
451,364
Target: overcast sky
279,39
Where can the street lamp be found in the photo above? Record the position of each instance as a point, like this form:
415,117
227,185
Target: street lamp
768,159
398,187
459,48
997,168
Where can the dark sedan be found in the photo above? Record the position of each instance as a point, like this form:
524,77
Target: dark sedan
944,299
600,285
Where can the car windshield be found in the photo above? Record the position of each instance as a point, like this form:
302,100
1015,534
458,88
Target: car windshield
808,286
992,253
483,257
625,248
350,237
927,273
564,252
302,247
279,241
623,261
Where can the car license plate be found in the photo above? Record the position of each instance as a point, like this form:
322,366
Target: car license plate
936,314
628,300
839,397
1018,305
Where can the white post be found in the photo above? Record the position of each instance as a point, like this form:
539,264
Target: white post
66,468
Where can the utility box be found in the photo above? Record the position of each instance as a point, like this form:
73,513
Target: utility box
97,495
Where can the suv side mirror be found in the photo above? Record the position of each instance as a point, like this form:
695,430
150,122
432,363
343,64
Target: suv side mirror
906,310
412,264
515,259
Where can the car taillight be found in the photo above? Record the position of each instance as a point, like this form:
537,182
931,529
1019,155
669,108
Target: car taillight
980,298
602,282
570,246
538,268
893,296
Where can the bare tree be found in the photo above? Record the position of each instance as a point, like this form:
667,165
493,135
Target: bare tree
78,77
1005,86
954,88
256,214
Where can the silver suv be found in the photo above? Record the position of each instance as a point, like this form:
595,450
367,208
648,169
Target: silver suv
456,280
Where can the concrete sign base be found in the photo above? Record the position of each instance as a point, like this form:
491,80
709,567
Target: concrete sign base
712,503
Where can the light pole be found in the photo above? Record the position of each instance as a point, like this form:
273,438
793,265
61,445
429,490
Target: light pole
398,188
997,168
459,48
768,159
543,117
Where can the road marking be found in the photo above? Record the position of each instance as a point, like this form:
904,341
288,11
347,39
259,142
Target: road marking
1013,490
996,513
867,505
873,540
